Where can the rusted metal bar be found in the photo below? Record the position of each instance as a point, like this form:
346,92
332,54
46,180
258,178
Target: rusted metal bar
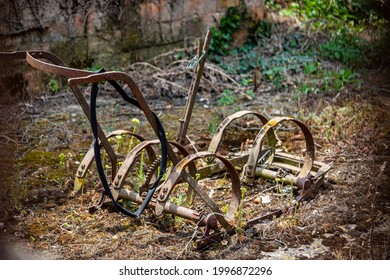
169,208
184,122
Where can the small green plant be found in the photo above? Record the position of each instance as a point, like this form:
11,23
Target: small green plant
276,75
250,93
141,174
72,222
348,49
240,212
135,122
54,86
311,67
225,208
62,158
107,168
93,68
213,124
223,35
227,98
119,139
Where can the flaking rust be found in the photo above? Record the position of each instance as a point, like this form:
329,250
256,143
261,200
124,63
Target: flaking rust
305,174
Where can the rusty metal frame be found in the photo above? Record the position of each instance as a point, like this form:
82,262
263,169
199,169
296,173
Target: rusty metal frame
302,172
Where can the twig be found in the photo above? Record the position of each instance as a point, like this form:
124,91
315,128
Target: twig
146,64
171,83
8,139
171,53
220,72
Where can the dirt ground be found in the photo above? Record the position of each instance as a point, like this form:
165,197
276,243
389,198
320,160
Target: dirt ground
42,142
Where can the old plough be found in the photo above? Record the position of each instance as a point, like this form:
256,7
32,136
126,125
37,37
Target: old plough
173,181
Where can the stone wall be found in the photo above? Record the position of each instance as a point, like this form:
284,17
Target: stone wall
109,34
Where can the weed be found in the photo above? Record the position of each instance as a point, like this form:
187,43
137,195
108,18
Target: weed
327,81
227,98
62,158
223,35
240,212
141,174
250,93
94,68
276,75
135,122
348,49
213,124
119,139
53,86
72,222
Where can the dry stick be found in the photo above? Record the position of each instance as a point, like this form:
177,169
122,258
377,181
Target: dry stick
170,53
220,72
8,139
211,84
184,61
171,83
145,64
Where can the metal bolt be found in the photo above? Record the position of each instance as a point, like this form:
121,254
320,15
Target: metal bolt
83,166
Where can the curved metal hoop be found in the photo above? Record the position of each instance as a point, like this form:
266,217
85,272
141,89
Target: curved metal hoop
249,171
167,187
218,136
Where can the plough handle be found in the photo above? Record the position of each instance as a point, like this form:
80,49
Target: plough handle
185,121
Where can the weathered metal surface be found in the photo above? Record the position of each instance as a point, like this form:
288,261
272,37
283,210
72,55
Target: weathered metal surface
184,122
167,187
218,136
270,163
254,155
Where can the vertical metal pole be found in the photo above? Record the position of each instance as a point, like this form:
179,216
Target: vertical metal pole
185,121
